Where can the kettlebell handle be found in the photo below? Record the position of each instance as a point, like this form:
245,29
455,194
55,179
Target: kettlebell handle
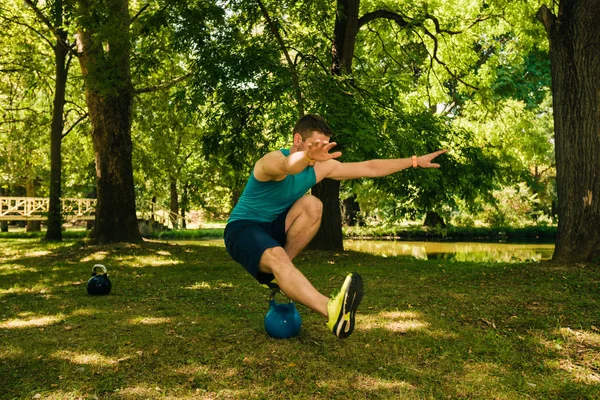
274,292
102,267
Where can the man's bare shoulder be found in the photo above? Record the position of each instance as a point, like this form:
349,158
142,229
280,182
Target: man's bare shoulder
268,167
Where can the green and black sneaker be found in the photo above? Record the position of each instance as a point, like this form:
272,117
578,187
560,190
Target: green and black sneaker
342,307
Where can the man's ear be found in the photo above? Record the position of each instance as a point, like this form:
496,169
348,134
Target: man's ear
297,139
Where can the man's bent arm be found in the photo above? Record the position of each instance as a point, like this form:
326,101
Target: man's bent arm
275,165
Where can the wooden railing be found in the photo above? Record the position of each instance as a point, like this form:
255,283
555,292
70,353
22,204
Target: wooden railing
162,215
74,209
36,208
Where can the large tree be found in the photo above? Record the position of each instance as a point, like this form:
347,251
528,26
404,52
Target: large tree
574,35
61,49
104,49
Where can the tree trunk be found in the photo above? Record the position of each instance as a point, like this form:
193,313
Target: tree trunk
575,62
351,211
184,204
104,44
174,203
3,224
434,220
329,236
344,36
32,226
54,231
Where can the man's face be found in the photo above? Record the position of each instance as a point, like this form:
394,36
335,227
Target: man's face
316,136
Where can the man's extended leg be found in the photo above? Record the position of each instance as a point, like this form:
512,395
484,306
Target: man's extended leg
291,281
302,223
340,310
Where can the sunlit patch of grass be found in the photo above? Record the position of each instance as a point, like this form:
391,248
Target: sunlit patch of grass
58,394
33,322
481,380
84,312
156,391
580,350
580,373
369,386
149,321
372,384
584,337
209,286
393,321
8,269
84,358
97,256
147,261
39,253
7,351
140,392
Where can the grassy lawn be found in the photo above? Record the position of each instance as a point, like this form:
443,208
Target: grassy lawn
184,321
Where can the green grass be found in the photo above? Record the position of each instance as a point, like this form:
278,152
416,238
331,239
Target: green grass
186,322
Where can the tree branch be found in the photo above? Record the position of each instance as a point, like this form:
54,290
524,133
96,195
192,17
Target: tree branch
402,22
443,64
84,116
291,65
50,26
386,14
161,86
546,17
136,16
30,28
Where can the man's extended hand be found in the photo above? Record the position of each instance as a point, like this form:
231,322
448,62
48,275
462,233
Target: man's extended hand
425,161
319,151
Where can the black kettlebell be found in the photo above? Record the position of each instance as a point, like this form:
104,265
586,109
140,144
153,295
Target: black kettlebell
99,284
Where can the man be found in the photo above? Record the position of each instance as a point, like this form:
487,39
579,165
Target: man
274,219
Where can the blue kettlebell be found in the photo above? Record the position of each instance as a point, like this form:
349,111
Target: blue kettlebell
99,284
282,320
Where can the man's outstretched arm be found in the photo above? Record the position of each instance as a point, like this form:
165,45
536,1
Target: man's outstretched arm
376,168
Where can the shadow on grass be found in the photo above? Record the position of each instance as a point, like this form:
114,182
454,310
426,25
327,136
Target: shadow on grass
186,322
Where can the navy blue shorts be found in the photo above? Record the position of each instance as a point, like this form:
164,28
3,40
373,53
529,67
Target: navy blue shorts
246,241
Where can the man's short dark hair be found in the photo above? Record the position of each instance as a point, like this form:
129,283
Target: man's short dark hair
309,123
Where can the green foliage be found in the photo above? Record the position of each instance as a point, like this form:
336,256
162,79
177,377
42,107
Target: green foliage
26,95
466,75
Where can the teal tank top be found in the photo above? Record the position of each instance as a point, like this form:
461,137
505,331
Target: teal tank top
264,201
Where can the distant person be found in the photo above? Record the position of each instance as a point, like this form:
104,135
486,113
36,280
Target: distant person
274,219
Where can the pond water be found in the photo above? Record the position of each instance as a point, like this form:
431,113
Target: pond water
457,251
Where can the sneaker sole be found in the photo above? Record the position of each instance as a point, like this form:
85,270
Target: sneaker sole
352,298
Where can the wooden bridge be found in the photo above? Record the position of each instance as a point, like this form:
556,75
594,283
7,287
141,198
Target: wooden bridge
75,209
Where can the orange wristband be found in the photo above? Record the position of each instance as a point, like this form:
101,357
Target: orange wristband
414,161
310,160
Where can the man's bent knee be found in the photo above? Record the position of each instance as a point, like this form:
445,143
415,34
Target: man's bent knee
273,259
314,204
311,207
